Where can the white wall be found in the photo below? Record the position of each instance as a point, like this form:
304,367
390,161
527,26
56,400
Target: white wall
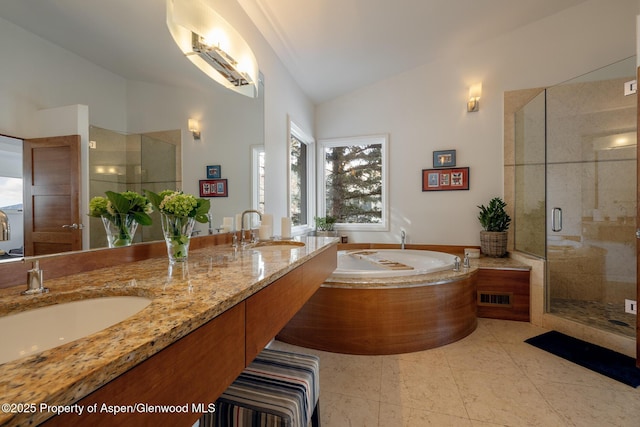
424,110
36,74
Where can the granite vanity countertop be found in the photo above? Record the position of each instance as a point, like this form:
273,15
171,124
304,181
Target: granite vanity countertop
184,296
434,278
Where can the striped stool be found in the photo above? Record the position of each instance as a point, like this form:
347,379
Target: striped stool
278,388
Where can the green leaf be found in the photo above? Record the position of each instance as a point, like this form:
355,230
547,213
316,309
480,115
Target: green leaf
202,210
154,198
119,202
142,218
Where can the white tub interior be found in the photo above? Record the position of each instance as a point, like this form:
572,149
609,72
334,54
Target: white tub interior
390,263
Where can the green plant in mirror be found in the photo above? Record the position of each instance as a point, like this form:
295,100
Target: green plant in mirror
494,217
178,213
121,213
177,203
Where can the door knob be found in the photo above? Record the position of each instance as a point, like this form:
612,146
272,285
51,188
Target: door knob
74,226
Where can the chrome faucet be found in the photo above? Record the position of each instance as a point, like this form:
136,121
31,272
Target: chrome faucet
467,261
403,238
210,219
242,243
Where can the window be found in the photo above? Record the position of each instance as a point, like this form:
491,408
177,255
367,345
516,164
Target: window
301,182
257,177
353,185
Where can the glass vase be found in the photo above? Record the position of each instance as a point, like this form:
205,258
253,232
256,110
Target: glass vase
177,234
120,229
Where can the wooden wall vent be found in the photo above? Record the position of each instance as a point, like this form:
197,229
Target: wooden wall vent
495,299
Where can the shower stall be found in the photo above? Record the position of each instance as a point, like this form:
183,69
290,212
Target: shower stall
136,162
575,195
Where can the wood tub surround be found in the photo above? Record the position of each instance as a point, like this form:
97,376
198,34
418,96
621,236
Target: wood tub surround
385,320
187,346
504,294
407,313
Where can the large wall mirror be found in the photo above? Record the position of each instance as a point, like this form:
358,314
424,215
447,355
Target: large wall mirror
11,195
139,122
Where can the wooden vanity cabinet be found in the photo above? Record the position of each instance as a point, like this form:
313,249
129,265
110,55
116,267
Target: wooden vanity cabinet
195,369
270,309
200,366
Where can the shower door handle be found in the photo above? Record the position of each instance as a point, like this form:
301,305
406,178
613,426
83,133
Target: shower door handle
556,219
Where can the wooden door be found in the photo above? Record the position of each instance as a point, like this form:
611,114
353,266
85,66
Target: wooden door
52,195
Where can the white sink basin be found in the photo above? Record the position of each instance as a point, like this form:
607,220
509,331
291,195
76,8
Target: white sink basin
43,328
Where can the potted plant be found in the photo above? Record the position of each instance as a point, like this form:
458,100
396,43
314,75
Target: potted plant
324,225
495,223
121,213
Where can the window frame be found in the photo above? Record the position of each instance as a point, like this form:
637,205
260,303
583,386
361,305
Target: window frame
293,130
256,151
382,139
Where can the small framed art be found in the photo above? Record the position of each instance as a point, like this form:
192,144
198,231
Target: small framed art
445,179
214,172
444,159
213,188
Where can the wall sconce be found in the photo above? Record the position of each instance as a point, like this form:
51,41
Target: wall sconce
474,98
194,128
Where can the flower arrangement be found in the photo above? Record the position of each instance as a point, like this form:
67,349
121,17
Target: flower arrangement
177,203
127,202
178,213
121,213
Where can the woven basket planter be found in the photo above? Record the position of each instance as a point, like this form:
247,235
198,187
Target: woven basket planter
493,243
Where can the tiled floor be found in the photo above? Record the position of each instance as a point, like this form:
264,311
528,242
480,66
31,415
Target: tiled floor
490,378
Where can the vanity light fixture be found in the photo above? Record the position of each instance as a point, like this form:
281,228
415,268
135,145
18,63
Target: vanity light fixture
474,98
213,45
194,128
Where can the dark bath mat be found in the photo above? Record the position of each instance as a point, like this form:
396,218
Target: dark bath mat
599,359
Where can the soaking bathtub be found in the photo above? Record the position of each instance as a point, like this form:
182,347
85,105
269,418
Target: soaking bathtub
388,302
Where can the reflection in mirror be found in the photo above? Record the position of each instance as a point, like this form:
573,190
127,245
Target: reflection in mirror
11,195
58,72
136,162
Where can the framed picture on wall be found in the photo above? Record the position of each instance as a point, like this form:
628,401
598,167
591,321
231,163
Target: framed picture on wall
444,159
213,188
445,179
214,172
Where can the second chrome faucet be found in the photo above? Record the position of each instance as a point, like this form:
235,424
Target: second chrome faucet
242,230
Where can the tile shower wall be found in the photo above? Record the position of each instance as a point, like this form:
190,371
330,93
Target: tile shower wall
136,162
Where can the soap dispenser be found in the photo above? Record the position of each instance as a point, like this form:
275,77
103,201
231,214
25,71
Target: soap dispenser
35,280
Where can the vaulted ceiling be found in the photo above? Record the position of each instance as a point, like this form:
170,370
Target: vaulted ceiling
331,47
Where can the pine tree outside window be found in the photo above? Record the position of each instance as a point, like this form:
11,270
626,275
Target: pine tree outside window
353,183
301,179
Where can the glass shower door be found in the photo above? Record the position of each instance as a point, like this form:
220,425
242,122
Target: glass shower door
530,172
591,201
